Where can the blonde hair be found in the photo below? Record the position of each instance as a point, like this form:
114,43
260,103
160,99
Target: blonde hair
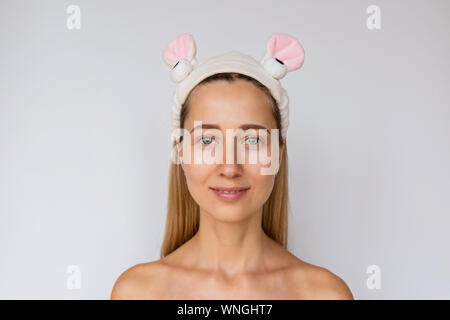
183,213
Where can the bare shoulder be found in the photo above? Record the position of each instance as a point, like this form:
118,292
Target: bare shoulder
307,281
317,283
142,281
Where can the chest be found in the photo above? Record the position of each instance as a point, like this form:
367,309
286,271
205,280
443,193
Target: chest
266,287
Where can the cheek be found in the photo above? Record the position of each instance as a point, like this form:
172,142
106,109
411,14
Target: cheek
196,179
262,184
263,161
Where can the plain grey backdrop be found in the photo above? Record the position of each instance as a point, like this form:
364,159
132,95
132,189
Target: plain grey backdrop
85,137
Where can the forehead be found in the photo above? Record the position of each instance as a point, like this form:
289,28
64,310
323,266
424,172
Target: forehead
229,104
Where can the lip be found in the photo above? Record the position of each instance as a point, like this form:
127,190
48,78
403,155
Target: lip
229,196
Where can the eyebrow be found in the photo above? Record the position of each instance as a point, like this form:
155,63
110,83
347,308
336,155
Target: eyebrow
244,127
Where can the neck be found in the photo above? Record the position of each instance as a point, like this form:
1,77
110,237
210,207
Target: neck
230,247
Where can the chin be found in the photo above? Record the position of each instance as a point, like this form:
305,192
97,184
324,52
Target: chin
229,214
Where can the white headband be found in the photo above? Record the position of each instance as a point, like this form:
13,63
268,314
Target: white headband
283,54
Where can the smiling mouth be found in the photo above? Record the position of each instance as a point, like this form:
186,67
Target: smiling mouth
229,190
229,194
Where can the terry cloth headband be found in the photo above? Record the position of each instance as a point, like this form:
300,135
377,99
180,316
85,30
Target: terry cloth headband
283,54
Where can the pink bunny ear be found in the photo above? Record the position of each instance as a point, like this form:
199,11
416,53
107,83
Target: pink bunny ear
182,47
287,49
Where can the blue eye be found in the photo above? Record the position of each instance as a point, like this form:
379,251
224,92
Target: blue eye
207,140
254,140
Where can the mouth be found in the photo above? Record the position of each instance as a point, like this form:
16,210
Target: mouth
229,193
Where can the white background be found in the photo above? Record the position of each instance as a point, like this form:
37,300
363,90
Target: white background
85,137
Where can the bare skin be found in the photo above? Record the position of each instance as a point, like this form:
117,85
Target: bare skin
284,277
230,257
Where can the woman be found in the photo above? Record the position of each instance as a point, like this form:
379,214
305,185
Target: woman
226,229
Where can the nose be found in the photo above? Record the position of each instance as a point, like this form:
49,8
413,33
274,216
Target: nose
233,169
230,170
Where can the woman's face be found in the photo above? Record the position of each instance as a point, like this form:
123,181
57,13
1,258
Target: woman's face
222,105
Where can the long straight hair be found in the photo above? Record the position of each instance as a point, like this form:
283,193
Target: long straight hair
183,213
